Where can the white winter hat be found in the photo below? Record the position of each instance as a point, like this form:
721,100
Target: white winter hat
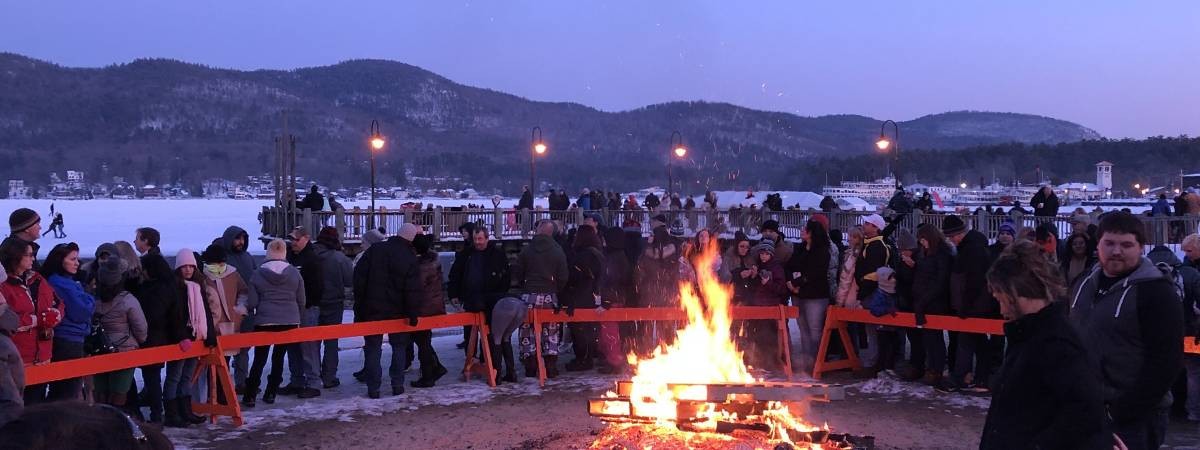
185,257
408,232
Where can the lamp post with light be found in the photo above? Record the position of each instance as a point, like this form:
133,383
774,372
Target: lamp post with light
377,143
536,147
680,151
884,144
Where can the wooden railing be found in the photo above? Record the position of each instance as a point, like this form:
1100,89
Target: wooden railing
512,224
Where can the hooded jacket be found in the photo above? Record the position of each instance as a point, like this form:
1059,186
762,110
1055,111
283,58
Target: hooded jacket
237,258
585,279
123,321
309,265
479,279
541,267
78,306
875,254
387,282
338,275
1046,395
166,310
12,369
279,294
969,294
1191,286
228,299
38,311
433,300
774,291
1134,329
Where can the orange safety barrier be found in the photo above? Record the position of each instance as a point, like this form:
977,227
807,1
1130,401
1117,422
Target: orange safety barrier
212,360
837,318
780,313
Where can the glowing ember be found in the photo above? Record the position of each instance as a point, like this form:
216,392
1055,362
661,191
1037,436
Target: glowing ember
703,353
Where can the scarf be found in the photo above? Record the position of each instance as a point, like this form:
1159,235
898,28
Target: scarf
196,317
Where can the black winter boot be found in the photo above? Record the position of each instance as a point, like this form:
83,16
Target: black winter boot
185,411
531,370
510,367
551,366
172,414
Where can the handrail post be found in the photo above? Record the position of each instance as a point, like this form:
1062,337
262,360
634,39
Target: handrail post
437,224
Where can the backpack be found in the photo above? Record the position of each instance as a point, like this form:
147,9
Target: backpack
1172,274
97,342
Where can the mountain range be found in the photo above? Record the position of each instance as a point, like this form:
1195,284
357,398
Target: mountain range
159,120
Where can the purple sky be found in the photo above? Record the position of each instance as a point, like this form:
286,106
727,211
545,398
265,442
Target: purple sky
1125,69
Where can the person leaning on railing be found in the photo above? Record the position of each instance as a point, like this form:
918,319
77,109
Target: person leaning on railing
34,301
124,327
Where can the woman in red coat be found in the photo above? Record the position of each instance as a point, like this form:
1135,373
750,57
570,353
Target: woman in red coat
37,308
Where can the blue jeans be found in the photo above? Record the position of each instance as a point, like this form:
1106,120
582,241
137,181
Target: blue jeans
330,315
1191,364
303,358
373,347
179,379
811,323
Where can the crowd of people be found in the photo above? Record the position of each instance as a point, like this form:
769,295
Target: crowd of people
1094,328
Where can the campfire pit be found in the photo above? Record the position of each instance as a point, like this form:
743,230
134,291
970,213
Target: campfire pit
697,392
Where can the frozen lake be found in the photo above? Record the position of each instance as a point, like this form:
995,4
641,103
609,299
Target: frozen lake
191,223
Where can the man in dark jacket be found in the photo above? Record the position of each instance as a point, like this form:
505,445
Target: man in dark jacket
338,274
828,204
235,241
165,311
875,254
303,359
541,271
479,275
900,203
526,201
583,291
651,202
313,200
1044,202
387,284
1129,315
969,297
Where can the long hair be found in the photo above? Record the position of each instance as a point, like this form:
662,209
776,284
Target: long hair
53,265
1022,271
1088,244
818,237
855,231
933,235
133,264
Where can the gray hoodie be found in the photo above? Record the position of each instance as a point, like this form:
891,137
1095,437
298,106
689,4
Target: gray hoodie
278,294
12,370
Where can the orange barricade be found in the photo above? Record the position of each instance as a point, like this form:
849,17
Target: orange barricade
780,313
836,319
212,360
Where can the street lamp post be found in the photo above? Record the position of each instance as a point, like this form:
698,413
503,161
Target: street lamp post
536,147
883,144
377,143
680,152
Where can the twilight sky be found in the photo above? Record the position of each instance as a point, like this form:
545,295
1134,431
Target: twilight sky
1125,69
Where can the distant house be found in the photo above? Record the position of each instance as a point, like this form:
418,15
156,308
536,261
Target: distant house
151,191
17,189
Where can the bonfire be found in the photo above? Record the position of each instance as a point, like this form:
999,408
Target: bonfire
697,392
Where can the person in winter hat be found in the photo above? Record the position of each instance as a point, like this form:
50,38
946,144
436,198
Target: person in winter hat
177,386
235,241
304,359
125,327
26,226
770,233
770,289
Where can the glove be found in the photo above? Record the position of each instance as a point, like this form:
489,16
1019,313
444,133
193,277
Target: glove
412,321
185,345
920,319
557,308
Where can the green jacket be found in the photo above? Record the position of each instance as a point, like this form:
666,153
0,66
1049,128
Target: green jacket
541,267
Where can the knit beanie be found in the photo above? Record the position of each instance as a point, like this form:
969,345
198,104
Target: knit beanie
953,225
887,279
770,224
111,272
371,237
763,246
185,257
23,218
408,231
1008,227
821,219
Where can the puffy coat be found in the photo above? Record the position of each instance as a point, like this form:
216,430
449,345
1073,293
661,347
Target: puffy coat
387,282
123,321
1046,395
78,306
12,370
38,311
279,294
